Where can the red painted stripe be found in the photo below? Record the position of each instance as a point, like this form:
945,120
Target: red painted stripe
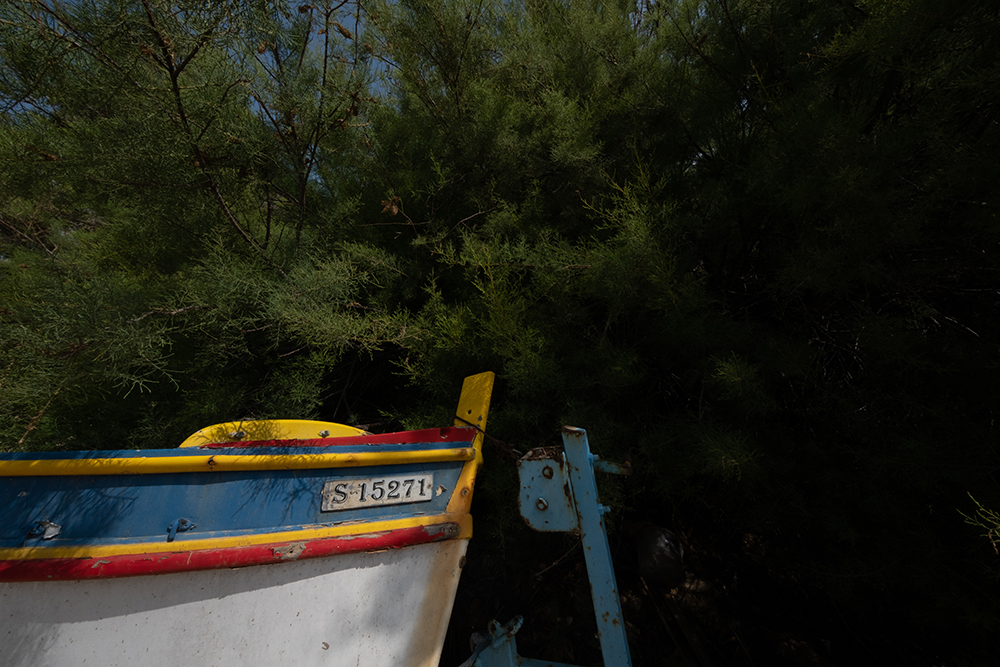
432,435
131,565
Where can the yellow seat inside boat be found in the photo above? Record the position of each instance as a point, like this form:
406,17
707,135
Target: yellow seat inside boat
269,429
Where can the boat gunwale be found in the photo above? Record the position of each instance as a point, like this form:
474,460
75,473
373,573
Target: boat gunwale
267,455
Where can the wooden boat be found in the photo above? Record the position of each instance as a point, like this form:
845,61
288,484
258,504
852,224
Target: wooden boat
306,542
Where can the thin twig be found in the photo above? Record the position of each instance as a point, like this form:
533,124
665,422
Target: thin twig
169,313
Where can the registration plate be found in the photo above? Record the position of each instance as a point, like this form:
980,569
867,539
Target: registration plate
376,491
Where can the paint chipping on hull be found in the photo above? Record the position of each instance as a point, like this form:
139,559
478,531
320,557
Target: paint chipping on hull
290,552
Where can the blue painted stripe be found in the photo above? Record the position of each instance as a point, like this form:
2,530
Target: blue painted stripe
122,509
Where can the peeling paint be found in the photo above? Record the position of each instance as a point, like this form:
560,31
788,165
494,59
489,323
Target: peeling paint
445,531
289,552
348,538
350,522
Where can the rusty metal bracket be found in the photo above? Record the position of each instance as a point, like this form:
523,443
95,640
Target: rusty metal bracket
546,497
559,494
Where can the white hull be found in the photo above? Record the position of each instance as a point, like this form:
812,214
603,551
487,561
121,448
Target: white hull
364,609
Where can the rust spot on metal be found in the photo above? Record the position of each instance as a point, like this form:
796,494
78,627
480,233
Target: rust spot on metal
572,430
289,552
540,453
547,472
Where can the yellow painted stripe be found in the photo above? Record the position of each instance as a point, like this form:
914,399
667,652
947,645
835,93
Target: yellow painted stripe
227,463
270,429
464,522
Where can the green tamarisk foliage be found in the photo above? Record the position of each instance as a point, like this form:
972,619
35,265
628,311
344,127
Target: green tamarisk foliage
752,243
176,217
988,520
